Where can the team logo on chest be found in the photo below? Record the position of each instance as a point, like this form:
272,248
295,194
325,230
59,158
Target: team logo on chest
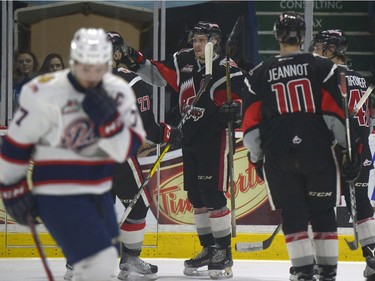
187,96
79,134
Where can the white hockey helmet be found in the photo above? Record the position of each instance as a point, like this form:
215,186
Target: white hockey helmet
91,46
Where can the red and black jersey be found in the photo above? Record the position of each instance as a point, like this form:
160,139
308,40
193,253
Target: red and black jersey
185,74
142,93
356,88
294,102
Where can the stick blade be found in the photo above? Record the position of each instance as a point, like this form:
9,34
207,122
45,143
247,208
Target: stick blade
249,246
353,245
257,246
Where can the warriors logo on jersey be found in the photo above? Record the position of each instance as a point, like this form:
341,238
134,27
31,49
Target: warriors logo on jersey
187,96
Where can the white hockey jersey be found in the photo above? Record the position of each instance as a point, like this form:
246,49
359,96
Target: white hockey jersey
51,129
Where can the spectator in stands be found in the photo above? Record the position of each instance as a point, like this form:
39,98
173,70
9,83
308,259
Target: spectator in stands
52,62
26,68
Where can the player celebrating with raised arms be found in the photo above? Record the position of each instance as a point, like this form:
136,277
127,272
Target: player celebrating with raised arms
292,118
74,125
204,144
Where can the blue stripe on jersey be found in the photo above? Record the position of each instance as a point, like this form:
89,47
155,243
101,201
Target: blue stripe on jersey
15,152
63,172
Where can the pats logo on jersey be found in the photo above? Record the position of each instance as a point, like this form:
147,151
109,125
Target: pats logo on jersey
79,134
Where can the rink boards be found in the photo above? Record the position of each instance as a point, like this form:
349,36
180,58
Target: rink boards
167,245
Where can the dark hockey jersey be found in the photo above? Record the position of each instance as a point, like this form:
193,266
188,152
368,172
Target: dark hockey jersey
356,88
294,103
142,93
185,74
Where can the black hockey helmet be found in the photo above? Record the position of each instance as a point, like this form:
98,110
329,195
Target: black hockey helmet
333,39
212,30
290,28
118,42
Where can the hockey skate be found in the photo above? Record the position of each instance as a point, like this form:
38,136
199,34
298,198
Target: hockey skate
326,273
69,272
369,271
221,265
294,275
300,276
134,268
193,267
369,253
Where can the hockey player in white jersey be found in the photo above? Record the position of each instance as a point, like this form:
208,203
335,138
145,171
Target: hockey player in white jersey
74,125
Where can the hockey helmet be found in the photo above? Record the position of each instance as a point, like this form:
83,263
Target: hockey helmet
211,30
91,46
333,39
290,28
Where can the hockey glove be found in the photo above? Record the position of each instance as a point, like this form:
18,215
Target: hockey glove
170,134
18,201
133,59
230,112
258,167
351,169
102,110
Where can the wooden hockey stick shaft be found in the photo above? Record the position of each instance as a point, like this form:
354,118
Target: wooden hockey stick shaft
257,246
186,115
38,244
353,245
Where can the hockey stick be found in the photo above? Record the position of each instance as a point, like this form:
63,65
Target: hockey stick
257,246
353,245
186,115
38,244
230,133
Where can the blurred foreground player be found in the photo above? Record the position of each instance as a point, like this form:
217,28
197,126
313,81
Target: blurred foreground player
74,125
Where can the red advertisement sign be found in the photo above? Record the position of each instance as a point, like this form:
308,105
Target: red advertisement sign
251,203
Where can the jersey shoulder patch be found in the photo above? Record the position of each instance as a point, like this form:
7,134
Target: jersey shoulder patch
232,63
186,50
45,78
123,70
